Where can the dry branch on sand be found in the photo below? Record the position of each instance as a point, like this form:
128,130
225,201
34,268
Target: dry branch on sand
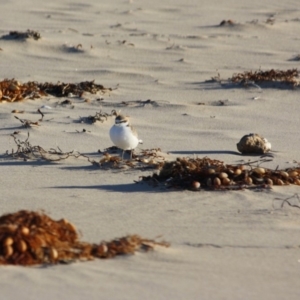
11,90
30,238
197,173
25,151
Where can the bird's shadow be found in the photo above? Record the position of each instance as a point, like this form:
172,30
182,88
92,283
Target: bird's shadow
118,188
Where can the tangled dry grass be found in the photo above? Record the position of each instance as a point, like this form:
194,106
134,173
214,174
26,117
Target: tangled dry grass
197,173
29,238
12,90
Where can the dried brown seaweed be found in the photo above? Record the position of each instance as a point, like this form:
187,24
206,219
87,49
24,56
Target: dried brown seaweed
99,116
29,238
147,158
61,89
197,173
11,90
287,77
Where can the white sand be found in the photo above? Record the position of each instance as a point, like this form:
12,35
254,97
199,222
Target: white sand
225,245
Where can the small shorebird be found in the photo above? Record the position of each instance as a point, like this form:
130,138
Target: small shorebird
123,135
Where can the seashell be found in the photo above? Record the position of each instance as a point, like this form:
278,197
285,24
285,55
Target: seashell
8,241
253,143
196,184
223,175
259,171
248,180
217,181
226,181
8,251
21,246
293,173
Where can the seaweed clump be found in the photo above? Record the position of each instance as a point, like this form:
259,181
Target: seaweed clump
29,238
197,173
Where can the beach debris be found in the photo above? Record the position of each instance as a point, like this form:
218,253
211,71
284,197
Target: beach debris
99,116
16,111
27,123
289,77
145,103
25,151
293,201
23,35
12,90
145,159
227,22
61,89
205,173
253,143
30,238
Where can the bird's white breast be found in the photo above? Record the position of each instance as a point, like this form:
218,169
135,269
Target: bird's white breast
123,137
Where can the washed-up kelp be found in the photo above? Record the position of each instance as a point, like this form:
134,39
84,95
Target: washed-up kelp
30,238
211,174
290,76
12,90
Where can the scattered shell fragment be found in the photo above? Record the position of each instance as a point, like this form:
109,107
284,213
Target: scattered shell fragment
253,143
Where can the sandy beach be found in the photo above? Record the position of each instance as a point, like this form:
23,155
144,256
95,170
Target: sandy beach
224,244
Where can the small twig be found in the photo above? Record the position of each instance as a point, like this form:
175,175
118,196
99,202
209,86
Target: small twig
39,111
296,196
